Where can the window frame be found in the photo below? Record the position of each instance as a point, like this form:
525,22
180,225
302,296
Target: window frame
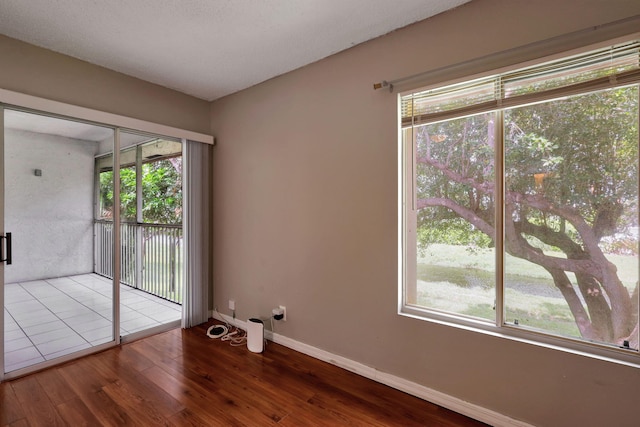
407,221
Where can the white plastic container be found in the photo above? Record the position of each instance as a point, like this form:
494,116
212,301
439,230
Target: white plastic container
255,335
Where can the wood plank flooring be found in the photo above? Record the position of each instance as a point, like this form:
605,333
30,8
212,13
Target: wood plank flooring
182,377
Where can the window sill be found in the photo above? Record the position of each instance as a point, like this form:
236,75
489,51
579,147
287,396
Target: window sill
607,353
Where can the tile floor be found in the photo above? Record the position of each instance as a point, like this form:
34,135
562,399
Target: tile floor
45,319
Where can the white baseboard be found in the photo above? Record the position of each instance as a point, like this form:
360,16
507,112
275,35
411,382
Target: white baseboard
441,399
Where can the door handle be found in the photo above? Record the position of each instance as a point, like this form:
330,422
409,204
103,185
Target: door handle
7,256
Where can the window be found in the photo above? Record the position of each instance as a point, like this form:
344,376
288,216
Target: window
160,186
151,208
520,202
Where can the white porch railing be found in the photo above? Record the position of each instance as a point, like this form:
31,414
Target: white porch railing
152,257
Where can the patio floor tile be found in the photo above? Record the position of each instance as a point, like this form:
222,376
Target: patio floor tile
46,319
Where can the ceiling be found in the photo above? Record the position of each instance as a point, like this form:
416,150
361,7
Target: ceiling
21,120
32,122
207,48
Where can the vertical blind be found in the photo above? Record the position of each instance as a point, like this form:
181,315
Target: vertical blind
195,301
600,69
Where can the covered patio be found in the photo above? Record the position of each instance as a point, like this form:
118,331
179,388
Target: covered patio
49,318
88,205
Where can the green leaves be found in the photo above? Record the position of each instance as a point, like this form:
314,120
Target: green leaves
161,192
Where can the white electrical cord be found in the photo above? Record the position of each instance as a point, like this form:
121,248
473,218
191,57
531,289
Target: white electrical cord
232,333
236,338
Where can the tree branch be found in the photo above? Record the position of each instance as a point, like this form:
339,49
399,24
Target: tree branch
463,212
597,265
539,202
484,187
549,237
580,316
599,311
517,246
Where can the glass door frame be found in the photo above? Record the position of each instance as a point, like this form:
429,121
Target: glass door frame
2,233
115,285
31,104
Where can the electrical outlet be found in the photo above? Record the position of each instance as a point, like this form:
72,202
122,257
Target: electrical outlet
232,304
284,309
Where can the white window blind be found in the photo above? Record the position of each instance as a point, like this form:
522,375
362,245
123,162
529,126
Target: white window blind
609,67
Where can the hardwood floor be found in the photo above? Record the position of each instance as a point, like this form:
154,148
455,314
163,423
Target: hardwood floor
182,377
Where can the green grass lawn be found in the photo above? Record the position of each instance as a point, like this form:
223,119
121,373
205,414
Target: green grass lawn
456,279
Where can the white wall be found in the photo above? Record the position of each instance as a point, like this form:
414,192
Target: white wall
50,216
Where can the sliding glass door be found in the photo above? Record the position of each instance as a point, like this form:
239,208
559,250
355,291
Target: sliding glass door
55,305
151,239
92,246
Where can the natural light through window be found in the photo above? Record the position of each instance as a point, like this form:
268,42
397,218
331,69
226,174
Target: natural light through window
520,200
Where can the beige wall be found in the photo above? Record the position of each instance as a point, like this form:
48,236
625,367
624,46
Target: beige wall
305,191
305,196
35,71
